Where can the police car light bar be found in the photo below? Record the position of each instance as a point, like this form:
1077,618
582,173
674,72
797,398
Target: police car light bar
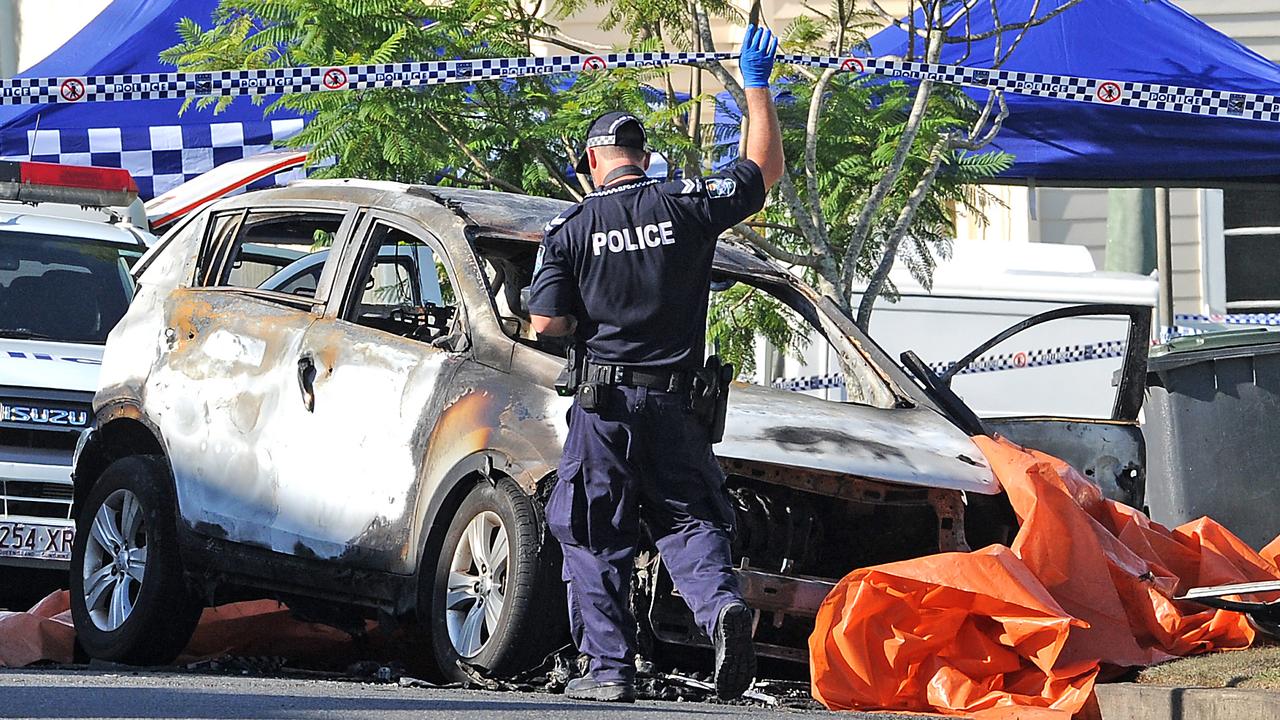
36,182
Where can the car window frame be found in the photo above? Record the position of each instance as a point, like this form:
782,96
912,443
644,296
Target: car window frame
221,249
359,250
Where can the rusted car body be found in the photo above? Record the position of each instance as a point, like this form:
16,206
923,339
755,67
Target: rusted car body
321,450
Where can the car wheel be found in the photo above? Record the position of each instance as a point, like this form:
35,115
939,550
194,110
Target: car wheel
497,601
129,600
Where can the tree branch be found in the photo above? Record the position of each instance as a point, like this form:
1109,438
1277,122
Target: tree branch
583,182
900,227
1001,57
1015,26
891,19
557,174
780,227
579,46
751,236
881,190
811,153
976,142
480,165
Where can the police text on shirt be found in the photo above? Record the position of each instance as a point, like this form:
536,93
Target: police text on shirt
646,236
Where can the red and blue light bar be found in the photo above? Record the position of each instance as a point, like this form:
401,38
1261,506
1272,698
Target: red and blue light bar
87,186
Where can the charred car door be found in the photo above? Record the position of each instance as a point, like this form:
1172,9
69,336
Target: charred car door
1101,357
223,391
370,380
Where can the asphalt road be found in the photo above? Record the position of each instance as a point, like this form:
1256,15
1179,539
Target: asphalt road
96,694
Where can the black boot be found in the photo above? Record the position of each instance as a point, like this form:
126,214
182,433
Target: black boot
585,688
735,653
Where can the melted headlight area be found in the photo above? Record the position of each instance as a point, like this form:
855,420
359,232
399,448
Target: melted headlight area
797,532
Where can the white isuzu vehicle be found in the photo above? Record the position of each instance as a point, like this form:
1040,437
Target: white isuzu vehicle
68,237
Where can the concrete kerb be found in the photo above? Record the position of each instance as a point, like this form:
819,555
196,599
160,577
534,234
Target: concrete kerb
1129,701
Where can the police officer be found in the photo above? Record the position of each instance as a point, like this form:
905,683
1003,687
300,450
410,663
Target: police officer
627,272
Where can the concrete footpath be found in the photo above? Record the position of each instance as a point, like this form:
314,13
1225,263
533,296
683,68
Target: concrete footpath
1128,701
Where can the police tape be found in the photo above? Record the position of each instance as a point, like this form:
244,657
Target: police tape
1043,357
1190,325
268,81
1186,325
1231,319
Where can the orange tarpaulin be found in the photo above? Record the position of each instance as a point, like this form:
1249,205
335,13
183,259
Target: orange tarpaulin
42,633
250,628
1087,584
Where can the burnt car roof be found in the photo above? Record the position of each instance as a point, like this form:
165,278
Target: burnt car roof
509,215
523,217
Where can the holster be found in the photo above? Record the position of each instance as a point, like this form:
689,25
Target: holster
709,395
571,382
571,375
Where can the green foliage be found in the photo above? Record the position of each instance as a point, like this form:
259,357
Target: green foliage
516,136
522,135
741,314
858,134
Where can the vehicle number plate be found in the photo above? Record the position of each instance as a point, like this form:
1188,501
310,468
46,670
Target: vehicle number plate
26,540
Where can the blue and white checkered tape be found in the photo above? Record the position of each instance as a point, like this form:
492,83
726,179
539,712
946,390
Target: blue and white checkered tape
1186,325
143,86
1043,357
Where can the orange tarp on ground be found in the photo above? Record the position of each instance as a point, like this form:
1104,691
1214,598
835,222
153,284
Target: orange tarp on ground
42,633
1086,585
251,628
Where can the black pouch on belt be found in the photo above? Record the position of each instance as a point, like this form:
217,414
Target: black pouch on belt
709,395
591,396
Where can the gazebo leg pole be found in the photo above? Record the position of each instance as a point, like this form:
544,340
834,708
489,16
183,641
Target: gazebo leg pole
1164,257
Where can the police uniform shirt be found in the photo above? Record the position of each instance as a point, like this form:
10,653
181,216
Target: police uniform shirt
632,262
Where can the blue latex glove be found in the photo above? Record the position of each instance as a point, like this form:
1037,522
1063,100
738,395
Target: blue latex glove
756,61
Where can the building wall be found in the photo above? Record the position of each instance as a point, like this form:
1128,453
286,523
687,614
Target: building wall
1255,23
1079,217
584,26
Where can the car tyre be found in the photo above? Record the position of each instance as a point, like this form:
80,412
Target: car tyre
129,599
500,614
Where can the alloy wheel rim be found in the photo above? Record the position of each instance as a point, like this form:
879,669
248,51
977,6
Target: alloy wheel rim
115,561
476,590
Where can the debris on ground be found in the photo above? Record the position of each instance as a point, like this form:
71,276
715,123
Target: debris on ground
263,638
560,667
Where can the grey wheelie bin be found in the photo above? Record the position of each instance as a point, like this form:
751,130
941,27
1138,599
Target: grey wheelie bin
1213,432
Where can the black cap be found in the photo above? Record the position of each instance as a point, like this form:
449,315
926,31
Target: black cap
612,129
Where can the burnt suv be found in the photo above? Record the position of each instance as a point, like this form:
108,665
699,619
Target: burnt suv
379,437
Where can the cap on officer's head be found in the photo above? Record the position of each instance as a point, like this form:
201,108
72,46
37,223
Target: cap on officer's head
612,129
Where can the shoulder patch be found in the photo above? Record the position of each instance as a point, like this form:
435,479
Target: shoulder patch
560,219
721,187
537,264
687,186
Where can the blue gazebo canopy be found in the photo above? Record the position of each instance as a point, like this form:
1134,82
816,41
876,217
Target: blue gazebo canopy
1061,142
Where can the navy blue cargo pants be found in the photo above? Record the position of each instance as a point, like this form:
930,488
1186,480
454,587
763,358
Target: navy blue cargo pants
641,455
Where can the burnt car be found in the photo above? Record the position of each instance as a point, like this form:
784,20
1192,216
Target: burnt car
382,439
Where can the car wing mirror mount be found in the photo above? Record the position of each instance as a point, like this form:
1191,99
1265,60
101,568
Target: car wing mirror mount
453,342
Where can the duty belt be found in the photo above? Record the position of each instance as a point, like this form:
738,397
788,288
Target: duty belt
664,380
